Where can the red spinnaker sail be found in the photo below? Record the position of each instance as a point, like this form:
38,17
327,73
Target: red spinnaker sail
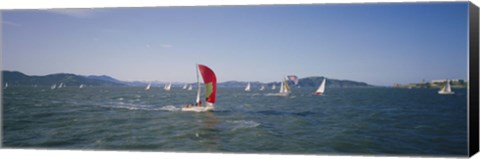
210,81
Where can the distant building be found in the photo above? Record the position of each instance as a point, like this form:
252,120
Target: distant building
444,80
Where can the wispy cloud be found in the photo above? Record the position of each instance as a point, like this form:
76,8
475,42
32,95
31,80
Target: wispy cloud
77,13
166,46
111,30
10,23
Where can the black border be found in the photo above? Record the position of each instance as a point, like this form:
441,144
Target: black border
473,112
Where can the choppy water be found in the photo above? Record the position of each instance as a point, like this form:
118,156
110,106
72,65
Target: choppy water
378,121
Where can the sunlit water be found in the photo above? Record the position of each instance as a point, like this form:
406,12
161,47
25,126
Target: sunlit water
377,121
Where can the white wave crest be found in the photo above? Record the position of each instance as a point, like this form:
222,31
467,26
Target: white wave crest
131,106
242,124
169,108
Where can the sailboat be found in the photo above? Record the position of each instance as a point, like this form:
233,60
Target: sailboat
53,86
6,85
446,89
210,82
321,88
60,86
284,89
273,86
248,87
262,88
189,87
148,86
167,87
184,86
81,86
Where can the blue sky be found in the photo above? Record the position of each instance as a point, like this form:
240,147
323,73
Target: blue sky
380,44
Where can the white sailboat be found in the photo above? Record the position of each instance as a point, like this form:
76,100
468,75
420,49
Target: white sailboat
81,86
262,88
148,86
6,85
60,86
189,87
248,87
184,86
321,88
168,86
446,89
273,87
284,89
210,82
53,86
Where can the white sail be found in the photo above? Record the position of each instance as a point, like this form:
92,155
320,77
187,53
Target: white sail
262,88
148,86
53,86
446,89
81,86
284,89
273,87
189,87
321,88
60,86
184,86
6,85
281,87
198,88
168,86
248,87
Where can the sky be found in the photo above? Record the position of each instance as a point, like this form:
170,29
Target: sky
380,44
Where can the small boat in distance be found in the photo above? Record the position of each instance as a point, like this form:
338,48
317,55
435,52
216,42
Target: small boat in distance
284,89
81,86
53,86
60,86
210,82
148,86
184,86
6,85
262,88
248,87
321,88
446,89
189,87
273,86
167,87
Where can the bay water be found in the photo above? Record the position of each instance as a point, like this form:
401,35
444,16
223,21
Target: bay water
366,121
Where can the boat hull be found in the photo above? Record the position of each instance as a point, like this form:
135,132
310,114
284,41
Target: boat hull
198,109
441,92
